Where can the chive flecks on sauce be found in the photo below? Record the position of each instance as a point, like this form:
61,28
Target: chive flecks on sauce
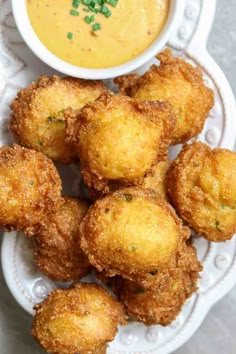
96,27
75,4
74,12
69,35
89,19
94,6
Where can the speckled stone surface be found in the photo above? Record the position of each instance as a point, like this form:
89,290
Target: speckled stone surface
222,41
217,333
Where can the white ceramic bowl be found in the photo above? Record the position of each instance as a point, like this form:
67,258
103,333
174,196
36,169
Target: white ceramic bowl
24,26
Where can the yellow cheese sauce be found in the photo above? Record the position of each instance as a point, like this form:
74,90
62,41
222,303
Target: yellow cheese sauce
131,28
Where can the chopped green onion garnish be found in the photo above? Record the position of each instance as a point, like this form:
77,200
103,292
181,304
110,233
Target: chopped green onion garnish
104,9
96,27
86,2
69,35
108,13
75,3
94,6
89,19
112,2
74,12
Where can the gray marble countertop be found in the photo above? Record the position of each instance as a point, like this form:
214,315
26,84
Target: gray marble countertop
217,333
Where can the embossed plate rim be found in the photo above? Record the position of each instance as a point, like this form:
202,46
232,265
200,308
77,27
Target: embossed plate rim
195,49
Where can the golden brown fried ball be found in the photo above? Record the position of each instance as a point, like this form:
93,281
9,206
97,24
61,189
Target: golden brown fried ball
30,187
37,120
118,139
162,306
57,249
179,83
134,233
81,319
155,179
201,184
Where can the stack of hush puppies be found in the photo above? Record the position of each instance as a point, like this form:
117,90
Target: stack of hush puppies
134,230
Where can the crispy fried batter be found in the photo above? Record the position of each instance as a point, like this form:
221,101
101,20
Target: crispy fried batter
57,249
155,179
37,120
201,185
81,319
118,139
134,233
179,83
162,306
30,187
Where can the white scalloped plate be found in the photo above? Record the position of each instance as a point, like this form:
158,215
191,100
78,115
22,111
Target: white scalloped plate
18,67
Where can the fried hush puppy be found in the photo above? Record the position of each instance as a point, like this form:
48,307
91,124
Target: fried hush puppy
134,233
118,139
30,187
56,245
81,319
162,306
155,179
201,185
37,119
179,83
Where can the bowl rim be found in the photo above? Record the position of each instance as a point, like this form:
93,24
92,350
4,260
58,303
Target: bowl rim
26,30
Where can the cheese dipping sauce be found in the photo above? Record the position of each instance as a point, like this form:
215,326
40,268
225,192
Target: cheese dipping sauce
131,28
